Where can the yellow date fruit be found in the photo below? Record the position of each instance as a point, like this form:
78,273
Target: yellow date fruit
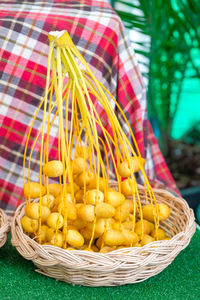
42,237
149,211
127,187
124,168
57,239
53,168
130,237
147,239
137,245
86,233
55,189
48,200
79,196
63,199
55,220
74,238
99,227
147,227
104,210
82,151
99,242
128,225
32,190
122,212
70,248
78,165
164,211
94,248
136,162
32,210
161,234
79,223
84,178
73,186
106,249
45,212
29,225
117,226
115,198
113,238
93,184
49,233
68,209
94,197
86,212
130,205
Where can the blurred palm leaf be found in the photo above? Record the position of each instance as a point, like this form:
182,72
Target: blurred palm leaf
174,30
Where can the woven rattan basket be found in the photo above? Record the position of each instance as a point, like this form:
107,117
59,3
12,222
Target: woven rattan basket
119,267
4,227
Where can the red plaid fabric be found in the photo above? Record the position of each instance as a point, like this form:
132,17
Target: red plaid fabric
99,35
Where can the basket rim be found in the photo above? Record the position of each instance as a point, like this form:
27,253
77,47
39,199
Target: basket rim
4,227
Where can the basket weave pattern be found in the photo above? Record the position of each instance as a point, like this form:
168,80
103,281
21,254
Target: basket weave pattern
119,267
4,227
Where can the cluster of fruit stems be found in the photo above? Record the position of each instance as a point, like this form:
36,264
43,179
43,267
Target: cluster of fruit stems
80,85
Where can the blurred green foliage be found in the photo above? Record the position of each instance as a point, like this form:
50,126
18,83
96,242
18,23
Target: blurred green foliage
173,55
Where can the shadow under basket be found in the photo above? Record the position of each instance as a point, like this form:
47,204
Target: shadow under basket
4,227
119,267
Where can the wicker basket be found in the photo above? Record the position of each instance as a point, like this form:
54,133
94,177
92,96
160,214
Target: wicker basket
119,267
4,227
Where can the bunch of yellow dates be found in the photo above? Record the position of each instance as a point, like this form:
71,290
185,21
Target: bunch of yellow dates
105,215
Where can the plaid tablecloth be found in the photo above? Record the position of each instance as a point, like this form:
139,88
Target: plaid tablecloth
100,36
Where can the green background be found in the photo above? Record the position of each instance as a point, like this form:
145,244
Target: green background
166,38
180,280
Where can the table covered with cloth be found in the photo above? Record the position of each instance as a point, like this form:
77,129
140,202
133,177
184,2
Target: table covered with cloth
99,35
